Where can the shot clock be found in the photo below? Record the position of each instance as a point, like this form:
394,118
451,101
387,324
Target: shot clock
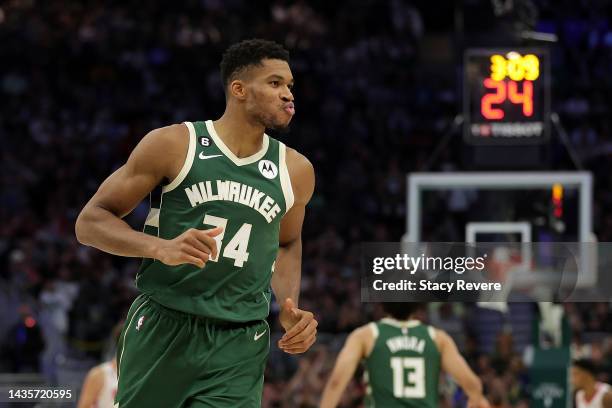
506,96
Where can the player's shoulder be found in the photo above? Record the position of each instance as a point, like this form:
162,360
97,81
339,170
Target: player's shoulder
168,136
436,333
440,337
301,173
365,336
96,374
298,162
162,149
366,329
367,332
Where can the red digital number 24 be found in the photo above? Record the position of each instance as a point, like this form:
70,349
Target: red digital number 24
506,90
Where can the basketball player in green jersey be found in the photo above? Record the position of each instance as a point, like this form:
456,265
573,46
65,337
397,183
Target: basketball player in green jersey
403,358
226,227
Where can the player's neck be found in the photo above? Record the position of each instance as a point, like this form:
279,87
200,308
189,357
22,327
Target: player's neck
589,390
241,136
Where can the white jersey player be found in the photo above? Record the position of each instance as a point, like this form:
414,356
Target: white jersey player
100,386
590,392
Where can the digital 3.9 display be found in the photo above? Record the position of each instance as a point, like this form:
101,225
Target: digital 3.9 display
506,96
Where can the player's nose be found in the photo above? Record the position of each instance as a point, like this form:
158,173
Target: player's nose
287,95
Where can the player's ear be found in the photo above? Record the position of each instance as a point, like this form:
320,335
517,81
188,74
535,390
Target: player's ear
237,89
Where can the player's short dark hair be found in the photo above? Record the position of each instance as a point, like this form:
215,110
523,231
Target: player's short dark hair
402,310
248,53
586,365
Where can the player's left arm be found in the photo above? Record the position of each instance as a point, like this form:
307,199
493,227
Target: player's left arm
300,325
607,400
351,354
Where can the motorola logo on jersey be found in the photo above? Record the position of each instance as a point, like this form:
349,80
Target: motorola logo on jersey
268,169
204,141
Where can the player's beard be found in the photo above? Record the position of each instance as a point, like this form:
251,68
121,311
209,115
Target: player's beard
269,122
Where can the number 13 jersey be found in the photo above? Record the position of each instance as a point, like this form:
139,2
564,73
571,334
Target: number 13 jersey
247,197
403,367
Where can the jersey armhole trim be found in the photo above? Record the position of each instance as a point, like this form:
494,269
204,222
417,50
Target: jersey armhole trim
153,218
432,332
285,180
188,161
374,329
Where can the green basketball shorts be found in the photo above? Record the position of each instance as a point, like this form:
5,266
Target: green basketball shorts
167,359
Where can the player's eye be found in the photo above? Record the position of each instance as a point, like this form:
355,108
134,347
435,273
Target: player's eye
274,83
290,86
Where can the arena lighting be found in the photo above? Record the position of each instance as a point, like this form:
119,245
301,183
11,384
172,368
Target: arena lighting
30,322
557,200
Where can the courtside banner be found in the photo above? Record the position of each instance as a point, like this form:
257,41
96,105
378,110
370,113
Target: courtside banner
486,272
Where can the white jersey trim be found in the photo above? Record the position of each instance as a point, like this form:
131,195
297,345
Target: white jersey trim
400,323
153,218
374,329
432,332
285,180
109,388
188,161
238,161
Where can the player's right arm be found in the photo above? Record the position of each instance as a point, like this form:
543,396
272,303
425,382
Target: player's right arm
351,354
159,156
454,364
94,381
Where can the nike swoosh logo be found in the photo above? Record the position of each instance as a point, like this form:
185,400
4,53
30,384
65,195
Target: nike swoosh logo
204,157
258,336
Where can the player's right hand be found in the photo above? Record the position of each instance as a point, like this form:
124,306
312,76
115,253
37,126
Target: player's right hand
193,246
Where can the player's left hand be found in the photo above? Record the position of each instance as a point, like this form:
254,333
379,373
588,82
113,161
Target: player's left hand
300,328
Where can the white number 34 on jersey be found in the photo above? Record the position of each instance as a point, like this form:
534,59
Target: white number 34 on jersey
236,248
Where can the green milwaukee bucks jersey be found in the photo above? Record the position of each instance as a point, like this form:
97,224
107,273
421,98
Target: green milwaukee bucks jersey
247,197
403,368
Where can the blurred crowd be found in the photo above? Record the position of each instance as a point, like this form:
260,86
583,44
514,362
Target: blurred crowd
82,82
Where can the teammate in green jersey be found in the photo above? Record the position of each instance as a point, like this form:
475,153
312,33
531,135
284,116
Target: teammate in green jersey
403,358
225,228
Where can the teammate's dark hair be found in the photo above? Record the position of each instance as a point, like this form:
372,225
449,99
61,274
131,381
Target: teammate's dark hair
402,310
586,365
248,53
